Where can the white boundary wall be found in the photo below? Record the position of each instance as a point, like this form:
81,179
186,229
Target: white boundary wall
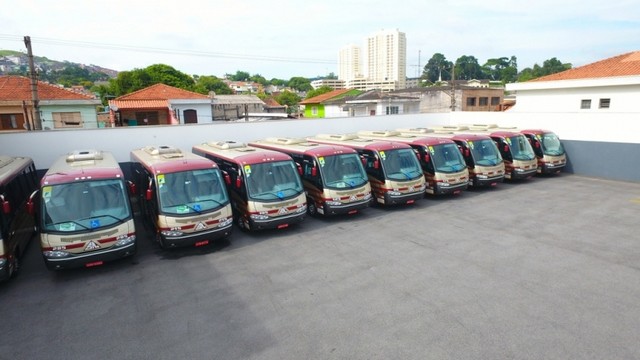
45,146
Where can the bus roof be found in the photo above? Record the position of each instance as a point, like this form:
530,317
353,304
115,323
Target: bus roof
165,159
356,142
82,165
10,166
302,147
536,131
239,152
406,138
460,136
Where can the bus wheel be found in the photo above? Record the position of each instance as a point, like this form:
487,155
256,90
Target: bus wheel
311,208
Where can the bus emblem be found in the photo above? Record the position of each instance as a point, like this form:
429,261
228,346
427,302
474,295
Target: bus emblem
353,198
201,226
282,211
91,246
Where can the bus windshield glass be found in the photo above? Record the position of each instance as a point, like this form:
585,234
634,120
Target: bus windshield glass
400,164
84,206
520,148
551,145
192,191
342,171
447,158
485,153
272,181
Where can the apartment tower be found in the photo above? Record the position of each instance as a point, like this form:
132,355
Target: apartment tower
349,63
386,57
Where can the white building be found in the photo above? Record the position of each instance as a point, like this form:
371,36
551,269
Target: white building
386,57
608,86
349,63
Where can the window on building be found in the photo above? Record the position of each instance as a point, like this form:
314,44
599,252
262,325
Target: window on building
484,101
495,100
151,118
585,104
8,121
471,101
393,110
605,103
314,110
67,119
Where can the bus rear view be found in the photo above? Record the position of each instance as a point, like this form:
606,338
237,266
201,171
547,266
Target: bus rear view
548,149
265,187
442,163
333,176
393,169
182,196
86,217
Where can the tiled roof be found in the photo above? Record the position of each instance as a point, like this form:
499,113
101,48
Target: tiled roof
622,65
271,102
161,92
326,96
139,104
18,88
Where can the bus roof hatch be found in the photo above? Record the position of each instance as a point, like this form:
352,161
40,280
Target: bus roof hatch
164,150
84,155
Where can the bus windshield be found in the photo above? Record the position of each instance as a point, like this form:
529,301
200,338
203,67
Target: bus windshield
485,153
84,206
192,191
551,145
447,158
520,148
342,171
272,181
400,164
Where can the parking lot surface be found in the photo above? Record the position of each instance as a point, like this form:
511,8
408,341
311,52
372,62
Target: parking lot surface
547,268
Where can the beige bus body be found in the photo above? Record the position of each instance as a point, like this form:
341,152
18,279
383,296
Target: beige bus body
442,163
393,169
86,216
333,176
264,186
182,195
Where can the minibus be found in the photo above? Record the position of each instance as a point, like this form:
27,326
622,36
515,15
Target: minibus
85,212
484,162
333,176
264,185
442,163
181,195
548,149
393,169
18,180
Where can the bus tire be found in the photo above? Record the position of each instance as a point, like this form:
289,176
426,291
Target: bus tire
311,208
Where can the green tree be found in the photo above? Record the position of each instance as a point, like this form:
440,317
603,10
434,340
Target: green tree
550,66
290,100
238,76
278,82
136,79
205,84
257,78
300,83
437,68
467,68
319,91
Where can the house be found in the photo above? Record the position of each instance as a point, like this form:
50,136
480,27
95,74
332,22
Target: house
472,97
607,86
328,105
272,106
243,87
58,108
377,102
234,107
160,104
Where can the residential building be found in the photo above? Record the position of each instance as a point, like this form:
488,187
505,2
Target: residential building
234,107
349,63
58,108
160,104
328,105
467,98
611,85
243,87
386,57
376,102
332,83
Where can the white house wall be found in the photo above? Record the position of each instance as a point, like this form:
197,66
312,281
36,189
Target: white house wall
203,111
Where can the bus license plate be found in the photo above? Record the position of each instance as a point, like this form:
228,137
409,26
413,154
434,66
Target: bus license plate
352,212
410,201
202,243
282,226
95,263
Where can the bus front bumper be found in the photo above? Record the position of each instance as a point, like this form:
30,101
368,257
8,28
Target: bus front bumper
277,222
345,208
197,238
442,189
549,168
522,174
484,180
402,199
89,259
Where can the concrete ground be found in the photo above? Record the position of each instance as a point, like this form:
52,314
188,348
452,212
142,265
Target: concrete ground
543,269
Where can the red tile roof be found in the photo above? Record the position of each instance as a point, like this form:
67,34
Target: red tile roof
324,97
161,92
139,104
622,65
18,88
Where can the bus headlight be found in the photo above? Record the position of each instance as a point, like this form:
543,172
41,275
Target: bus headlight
481,176
3,261
259,217
55,254
171,233
519,170
394,193
225,222
444,184
123,240
367,196
301,209
333,203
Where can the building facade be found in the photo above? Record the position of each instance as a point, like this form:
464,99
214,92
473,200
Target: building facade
386,57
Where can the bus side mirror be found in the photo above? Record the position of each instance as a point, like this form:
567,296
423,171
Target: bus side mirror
376,164
466,152
30,204
6,206
427,158
363,161
314,171
537,144
299,169
227,178
148,194
506,148
239,182
132,188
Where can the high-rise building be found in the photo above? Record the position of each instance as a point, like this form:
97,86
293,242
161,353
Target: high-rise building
386,57
349,63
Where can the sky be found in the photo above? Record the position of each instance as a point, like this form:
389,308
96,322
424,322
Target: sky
286,38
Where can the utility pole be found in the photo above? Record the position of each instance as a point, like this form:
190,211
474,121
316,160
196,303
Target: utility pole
37,122
453,88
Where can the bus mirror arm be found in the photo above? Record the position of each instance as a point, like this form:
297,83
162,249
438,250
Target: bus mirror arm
30,203
227,178
132,188
6,206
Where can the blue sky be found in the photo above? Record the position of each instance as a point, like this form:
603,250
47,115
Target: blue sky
285,38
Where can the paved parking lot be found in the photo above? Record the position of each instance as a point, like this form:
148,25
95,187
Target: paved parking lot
544,269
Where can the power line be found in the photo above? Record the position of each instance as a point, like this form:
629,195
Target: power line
146,49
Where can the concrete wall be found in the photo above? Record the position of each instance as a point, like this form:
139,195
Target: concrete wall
599,145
